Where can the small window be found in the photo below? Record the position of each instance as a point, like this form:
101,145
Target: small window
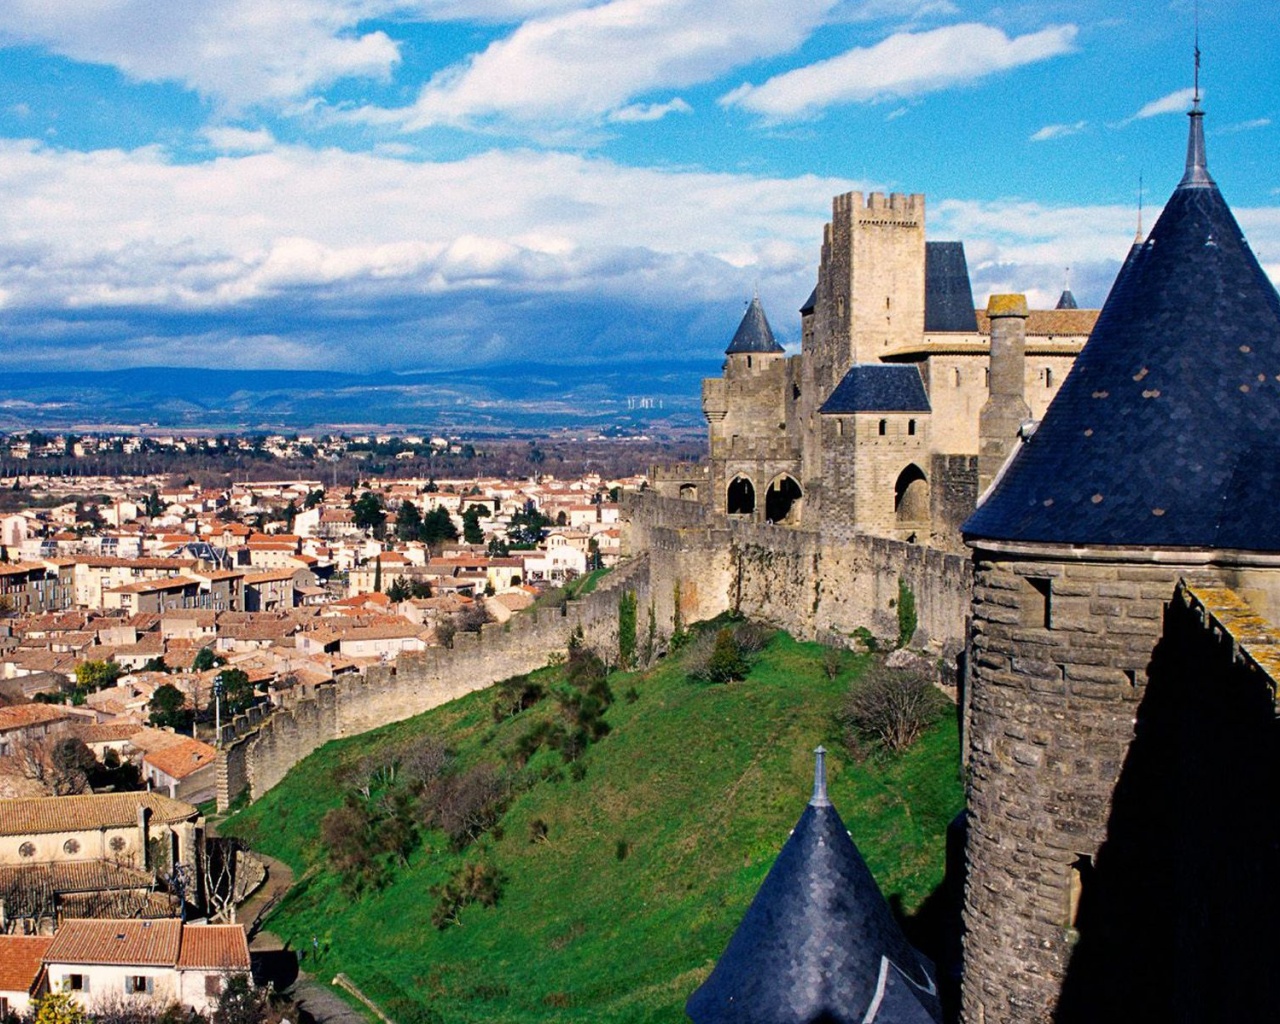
1037,603
986,377
27,850
748,362
1048,377
117,844
71,846
957,376
213,985
911,427
139,984
839,428
1081,877
884,427
75,983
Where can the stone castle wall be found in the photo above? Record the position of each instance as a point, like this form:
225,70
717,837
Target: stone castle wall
813,585
1061,655
257,755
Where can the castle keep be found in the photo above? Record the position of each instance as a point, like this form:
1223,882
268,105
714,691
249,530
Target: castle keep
876,426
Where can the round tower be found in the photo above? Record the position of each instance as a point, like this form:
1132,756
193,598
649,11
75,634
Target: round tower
1102,885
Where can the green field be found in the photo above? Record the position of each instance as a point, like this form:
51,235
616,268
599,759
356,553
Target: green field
649,859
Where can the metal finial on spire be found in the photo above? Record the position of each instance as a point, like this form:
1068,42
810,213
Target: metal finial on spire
819,798
1197,173
1137,239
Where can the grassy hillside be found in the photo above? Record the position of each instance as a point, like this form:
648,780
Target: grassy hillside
649,859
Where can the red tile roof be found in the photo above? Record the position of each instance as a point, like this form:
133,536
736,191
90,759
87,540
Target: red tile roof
20,960
90,941
182,759
81,813
214,947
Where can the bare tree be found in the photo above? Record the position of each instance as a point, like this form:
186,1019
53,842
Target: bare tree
230,872
60,764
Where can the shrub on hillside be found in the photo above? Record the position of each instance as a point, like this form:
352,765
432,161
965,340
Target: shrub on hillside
478,882
723,656
511,696
465,804
890,706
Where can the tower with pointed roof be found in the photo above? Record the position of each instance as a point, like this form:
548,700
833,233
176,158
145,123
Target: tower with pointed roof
873,427
818,943
1154,470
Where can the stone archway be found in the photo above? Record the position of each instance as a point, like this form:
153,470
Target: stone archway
781,498
741,498
911,497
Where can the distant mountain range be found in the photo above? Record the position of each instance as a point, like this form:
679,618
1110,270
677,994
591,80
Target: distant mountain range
528,396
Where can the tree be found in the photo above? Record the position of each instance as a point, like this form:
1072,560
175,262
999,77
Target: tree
408,521
891,706
399,590
205,659
238,694
60,1008
437,526
313,498
377,575
61,765
369,513
472,532
168,707
92,676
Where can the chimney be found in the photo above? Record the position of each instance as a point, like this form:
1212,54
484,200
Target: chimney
1006,408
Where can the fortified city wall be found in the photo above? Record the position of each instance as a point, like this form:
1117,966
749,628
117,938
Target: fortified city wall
813,585
258,751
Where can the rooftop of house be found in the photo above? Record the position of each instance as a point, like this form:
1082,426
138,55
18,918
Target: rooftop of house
34,815
21,960
130,943
1166,433
182,759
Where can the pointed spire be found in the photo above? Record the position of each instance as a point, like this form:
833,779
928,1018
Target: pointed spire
819,798
1197,173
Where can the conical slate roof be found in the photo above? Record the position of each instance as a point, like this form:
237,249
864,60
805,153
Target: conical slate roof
754,333
1066,300
1167,430
818,943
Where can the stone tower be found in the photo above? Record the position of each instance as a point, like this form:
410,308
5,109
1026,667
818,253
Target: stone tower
1120,848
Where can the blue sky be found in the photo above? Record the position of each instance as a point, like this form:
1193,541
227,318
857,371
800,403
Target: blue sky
423,184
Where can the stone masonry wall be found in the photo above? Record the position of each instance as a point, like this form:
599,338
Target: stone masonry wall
808,583
1060,653
256,756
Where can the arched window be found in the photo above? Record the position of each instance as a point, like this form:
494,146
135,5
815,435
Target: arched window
957,376
741,499
911,497
911,427
780,499
884,427
688,492
1048,377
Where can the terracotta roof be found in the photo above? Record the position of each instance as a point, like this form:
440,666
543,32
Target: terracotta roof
80,813
214,947
1054,322
20,960
73,876
106,732
141,943
182,759
26,715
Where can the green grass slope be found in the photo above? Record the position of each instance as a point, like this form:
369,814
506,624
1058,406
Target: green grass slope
649,860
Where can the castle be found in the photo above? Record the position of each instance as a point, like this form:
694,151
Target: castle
884,423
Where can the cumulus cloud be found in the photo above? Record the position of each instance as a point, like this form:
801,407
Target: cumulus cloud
237,53
230,139
905,64
582,65
1059,131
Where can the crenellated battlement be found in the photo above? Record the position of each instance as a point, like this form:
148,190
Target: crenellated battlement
898,208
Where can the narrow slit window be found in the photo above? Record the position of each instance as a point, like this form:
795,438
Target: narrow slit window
884,427
1080,882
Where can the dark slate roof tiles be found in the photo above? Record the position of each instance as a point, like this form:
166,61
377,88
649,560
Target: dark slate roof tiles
1167,430
878,387
948,296
818,943
754,333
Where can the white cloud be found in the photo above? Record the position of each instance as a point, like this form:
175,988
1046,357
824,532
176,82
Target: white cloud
651,111
905,64
1244,126
585,64
239,140
236,52
1175,103
1059,131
